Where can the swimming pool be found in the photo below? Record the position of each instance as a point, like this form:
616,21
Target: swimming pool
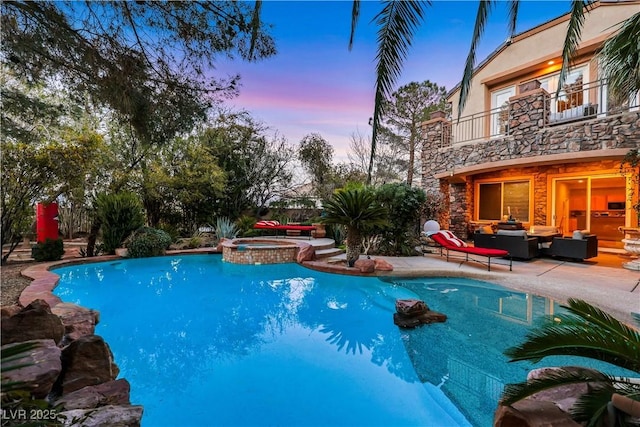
204,342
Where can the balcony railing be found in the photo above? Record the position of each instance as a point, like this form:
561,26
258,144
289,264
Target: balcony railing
479,126
586,101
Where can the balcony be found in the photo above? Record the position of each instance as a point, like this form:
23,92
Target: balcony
578,102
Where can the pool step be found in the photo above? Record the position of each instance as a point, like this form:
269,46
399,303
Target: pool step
328,252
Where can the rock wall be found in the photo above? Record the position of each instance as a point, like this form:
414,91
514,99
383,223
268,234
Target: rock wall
67,365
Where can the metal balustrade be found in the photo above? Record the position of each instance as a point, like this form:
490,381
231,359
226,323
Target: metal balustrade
578,101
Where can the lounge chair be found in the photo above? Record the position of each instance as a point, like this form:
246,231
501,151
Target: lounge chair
449,242
276,226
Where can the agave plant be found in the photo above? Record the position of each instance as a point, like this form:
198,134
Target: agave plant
356,209
588,332
225,228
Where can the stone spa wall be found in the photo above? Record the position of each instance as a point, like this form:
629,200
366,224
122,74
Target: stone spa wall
245,251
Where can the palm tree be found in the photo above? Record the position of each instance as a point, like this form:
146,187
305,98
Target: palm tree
588,332
356,209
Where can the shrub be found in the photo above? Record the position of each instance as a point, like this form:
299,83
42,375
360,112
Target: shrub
405,205
225,228
49,250
245,224
121,214
147,242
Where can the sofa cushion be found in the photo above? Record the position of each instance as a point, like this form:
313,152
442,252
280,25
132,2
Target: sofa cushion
580,234
519,233
542,229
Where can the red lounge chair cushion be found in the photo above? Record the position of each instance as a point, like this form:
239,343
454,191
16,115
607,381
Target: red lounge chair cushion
460,246
451,239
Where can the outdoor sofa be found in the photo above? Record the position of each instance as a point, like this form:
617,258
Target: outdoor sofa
580,246
516,242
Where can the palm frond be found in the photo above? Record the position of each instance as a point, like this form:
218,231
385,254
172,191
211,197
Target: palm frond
620,60
397,23
484,7
585,331
591,407
572,39
513,16
355,208
558,377
355,15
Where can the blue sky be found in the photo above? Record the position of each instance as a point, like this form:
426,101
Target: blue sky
316,85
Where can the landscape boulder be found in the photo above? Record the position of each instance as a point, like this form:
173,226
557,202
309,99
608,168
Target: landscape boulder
86,361
34,322
109,393
365,265
104,416
39,367
382,265
532,413
413,312
77,321
306,253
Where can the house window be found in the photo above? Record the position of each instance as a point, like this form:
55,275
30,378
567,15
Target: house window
573,93
500,110
499,199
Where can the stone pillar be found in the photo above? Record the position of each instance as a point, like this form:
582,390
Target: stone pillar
528,113
459,218
436,134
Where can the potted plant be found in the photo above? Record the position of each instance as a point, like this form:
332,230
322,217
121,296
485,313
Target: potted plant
630,165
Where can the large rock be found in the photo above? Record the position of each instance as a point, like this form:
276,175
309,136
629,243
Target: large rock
564,397
34,322
382,265
532,413
86,361
109,393
40,367
104,416
411,307
77,321
421,319
414,312
365,265
306,253
7,311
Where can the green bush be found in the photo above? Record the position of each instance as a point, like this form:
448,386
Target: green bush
245,224
147,242
405,205
49,250
121,214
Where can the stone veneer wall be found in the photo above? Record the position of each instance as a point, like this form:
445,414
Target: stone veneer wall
528,138
260,254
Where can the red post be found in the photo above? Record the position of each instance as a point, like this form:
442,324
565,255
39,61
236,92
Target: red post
46,221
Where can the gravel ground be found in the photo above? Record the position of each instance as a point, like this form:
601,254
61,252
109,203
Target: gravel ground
12,283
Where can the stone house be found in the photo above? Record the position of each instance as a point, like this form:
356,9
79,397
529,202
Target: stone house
524,149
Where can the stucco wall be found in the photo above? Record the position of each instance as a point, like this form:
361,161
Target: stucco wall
530,52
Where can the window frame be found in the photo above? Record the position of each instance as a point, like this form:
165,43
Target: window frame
502,181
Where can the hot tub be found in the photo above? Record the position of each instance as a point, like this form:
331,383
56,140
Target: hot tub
259,251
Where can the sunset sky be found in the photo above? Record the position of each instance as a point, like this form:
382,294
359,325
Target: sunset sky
316,85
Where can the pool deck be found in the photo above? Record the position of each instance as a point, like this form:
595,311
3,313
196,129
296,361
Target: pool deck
601,281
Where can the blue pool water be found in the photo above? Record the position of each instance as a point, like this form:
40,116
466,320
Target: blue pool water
204,342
